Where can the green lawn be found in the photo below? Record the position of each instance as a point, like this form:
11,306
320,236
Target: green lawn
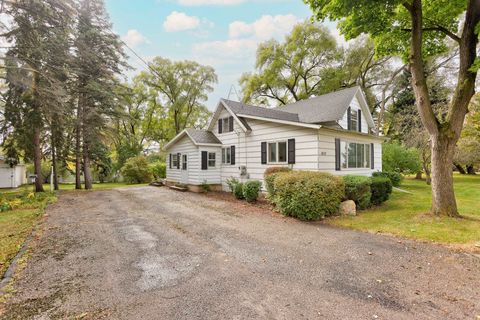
407,214
17,224
71,186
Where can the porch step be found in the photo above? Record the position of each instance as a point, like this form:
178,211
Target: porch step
177,188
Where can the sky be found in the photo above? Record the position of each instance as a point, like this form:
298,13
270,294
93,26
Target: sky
221,33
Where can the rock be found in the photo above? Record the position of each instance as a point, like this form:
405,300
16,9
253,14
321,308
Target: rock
348,208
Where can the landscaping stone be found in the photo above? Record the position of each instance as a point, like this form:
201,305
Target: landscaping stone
348,208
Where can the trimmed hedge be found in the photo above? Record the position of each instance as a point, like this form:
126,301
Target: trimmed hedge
395,177
308,195
251,189
381,189
238,190
269,177
357,188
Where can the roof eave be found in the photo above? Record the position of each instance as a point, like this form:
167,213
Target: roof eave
363,134
293,123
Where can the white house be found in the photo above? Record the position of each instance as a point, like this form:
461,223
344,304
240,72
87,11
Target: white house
11,177
330,133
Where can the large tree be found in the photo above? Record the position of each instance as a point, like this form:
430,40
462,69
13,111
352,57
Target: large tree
181,88
99,57
416,30
305,64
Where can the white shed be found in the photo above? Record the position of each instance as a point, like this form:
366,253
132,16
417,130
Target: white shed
11,177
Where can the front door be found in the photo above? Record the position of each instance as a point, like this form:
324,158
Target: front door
184,168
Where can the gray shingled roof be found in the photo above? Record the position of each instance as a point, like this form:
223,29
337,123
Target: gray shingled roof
322,109
202,136
241,108
328,107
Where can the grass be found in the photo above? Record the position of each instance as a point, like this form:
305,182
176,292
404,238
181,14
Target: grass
71,186
407,214
17,224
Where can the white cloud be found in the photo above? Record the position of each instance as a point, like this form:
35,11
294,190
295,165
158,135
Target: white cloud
134,38
210,2
265,28
179,21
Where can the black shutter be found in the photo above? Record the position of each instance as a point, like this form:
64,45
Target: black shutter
230,124
291,151
178,160
337,154
372,150
232,155
359,120
204,160
219,125
349,118
170,162
264,152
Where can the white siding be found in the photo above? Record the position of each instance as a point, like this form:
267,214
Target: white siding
184,146
211,175
326,159
355,105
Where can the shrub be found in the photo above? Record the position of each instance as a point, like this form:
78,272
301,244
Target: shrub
398,158
357,188
136,170
205,186
381,189
269,177
395,177
251,189
238,190
159,170
231,183
308,195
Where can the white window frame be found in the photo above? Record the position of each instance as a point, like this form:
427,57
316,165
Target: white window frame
174,160
227,155
354,112
276,160
226,125
344,147
209,160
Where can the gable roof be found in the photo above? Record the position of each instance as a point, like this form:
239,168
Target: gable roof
245,109
328,107
198,137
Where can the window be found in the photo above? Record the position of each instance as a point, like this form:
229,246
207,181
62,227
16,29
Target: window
225,125
277,152
175,160
184,162
353,120
226,155
355,155
211,159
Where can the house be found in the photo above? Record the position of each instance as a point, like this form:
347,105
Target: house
11,177
329,133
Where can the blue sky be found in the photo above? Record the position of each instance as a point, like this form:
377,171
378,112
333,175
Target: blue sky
220,33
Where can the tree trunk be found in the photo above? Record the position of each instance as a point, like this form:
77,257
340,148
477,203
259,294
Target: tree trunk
459,168
443,195
37,160
86,166
78,146
54,163
471,169
418,176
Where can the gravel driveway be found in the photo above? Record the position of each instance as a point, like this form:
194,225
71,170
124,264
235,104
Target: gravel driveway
153,253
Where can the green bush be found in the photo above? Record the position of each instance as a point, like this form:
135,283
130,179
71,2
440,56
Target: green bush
398,158
395,177
136,170
205,186
238,190
251,189
231,183
308,195
159,170
269,177
381,189
357,188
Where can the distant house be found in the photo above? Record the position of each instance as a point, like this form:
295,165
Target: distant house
11,177
330,133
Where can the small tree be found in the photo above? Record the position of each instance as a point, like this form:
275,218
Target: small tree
137,170
398,158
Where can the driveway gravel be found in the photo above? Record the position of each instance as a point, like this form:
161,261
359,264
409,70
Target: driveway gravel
153,253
